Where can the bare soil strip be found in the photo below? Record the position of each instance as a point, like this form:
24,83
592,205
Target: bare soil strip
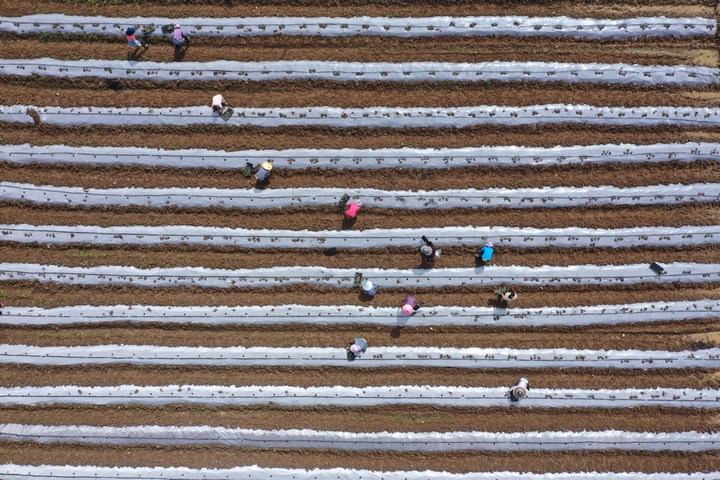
43,91
54,295
677,337
459,462
656,51
331,218
374,419
396,8
619,175
166,257
243,138
28,375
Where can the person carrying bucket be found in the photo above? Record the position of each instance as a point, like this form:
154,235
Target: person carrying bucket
409,306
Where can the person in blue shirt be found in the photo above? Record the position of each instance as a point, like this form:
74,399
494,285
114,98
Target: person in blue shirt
486,254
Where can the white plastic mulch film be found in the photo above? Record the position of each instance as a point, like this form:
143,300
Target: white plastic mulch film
91,472
350,158
223,70
375,357
363,315
608,440
357,396
546,197
368,117
371,26
627,274
374,238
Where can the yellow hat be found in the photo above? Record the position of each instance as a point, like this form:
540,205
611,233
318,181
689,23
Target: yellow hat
267,166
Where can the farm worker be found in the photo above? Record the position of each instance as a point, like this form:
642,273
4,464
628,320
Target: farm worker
409,305
369,289
487,252
179,38
263,174
429,252
356,347
520,390
352,209
132,41
218,104
506,295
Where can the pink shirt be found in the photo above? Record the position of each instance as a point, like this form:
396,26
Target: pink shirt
177,34
130,38
352,210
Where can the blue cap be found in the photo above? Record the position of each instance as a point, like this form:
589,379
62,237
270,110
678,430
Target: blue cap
130,31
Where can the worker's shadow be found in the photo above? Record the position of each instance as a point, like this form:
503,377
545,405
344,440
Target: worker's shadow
401,322
136,55
348,223
179,54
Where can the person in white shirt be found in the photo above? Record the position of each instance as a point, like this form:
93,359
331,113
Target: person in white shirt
218,104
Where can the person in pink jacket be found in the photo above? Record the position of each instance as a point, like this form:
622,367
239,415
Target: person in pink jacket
352,209
410,305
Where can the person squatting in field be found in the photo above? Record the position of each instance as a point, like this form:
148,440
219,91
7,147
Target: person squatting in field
134,42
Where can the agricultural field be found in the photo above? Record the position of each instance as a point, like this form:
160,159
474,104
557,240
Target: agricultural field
165,316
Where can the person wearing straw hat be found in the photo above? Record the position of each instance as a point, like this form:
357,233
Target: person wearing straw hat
263,173
368,288
409,306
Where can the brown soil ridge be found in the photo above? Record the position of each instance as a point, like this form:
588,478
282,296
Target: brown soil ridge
397,8
619,175
375,419
288,94
677,337
55,295
696,51
244,138
99,375
232,258
331,218
459,462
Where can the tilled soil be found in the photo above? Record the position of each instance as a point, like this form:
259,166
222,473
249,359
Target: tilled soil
29,375
242,138
618,175
55,295
375,419
691,334
331,218
166,257
461,462
287,94
674,337
686,51
97,92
